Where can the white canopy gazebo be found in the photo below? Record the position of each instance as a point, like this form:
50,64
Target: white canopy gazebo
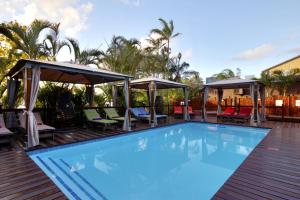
34,71
256,89
152,84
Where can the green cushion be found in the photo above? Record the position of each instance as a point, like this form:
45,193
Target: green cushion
91,114
123,118
105,121
111,112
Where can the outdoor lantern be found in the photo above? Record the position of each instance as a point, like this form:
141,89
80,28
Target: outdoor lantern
278,103
298,103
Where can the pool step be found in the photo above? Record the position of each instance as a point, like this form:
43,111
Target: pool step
69,182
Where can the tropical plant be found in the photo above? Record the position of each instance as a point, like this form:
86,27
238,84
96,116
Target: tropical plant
26,38
165,34
177,68
84,57
52,44
284,79
225,74
267,79
123,56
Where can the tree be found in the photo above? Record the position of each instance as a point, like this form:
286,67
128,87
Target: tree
225,74
26,38
177,68
166,33
52,44
284,79
84,57
267,79
123,56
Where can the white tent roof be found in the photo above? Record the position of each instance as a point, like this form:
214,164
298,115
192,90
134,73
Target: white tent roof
67,72
143,83
232,83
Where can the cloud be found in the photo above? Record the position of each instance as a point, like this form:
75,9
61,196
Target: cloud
293,50
135,3
256,53
72,14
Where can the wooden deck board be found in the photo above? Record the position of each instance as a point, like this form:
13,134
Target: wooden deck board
271,171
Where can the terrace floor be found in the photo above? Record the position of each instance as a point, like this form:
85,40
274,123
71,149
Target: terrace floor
271,171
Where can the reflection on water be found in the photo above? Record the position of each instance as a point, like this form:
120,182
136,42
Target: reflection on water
189,161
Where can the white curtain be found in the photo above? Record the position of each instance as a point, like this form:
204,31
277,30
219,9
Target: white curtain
152,98
254,97
262,92
32,131
126,125
114,95
186,103
220,97
12,90
205,98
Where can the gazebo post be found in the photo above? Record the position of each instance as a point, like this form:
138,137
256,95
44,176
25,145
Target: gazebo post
152,97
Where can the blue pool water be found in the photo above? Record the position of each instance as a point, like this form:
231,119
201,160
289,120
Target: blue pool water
184,161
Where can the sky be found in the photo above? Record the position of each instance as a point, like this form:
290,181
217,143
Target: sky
215,34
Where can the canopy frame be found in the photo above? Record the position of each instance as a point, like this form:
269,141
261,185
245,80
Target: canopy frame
34,71
151,85
256,90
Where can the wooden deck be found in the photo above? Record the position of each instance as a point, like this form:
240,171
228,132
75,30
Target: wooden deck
271,171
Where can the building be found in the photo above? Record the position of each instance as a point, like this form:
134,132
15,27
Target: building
292,63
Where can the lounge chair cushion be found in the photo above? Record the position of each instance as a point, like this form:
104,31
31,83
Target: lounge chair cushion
105,121
111,112
40,124
44,127
5,131
93,116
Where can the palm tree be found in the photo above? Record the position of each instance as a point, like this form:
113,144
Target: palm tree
123,55
225,74
26,38
84,57
177,68
166,33
267,79
52,44
284,79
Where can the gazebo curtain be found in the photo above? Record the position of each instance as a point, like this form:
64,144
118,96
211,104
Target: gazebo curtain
12,90
126,125
220,97
32,130
255,118
186,103
114,95
90,94
152,98
205,98
262,93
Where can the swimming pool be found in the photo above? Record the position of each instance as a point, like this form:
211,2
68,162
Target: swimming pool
183,161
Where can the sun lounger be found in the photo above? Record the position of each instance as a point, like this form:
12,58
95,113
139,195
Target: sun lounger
243,115
5,134
114,115
191,112
178,110
44,130
142,114
93,116
227,114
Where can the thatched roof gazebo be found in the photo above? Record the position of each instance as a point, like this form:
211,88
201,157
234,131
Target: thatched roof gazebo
34,71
